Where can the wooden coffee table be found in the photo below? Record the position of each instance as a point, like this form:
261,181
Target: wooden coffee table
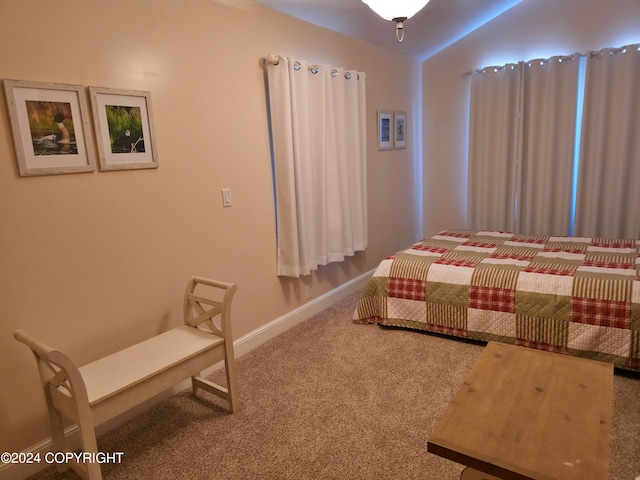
529,414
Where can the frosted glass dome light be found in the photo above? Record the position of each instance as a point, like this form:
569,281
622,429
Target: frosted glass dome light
397,11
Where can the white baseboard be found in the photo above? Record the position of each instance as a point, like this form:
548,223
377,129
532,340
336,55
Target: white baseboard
241,346
276,327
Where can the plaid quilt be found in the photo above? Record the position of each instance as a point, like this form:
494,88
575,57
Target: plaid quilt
573,295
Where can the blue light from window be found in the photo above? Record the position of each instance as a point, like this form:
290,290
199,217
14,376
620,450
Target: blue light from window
582,69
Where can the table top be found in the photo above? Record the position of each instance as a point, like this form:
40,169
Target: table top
529,414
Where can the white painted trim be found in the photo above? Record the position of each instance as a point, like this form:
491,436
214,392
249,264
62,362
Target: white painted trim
276,327
241,347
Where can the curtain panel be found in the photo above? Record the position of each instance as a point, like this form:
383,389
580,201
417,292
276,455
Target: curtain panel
548,145
521,139
575,151
608,195
494,138
318,133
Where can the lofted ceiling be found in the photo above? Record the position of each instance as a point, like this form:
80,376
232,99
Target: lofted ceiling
439,24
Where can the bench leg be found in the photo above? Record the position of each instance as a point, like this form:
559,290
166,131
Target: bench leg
89,444
57,432
218,390
230,393
232,381
83,418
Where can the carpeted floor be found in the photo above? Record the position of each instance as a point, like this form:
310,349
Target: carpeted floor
327,399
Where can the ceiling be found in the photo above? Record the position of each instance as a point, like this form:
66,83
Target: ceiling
439,24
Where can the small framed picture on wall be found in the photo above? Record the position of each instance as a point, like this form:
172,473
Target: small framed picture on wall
385,130
50,126
123,121
399,129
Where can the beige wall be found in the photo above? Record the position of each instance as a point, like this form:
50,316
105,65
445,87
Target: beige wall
532,29
94,262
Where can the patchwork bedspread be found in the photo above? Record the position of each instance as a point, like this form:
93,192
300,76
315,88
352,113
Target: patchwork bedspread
572,295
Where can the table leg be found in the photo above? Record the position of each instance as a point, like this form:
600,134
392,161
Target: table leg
471,474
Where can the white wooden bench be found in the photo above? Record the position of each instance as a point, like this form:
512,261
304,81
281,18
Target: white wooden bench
103,389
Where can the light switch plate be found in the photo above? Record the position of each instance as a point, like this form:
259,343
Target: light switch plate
226,197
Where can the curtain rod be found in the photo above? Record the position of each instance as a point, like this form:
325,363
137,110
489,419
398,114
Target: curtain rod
590,53
500,67
275,60
271,60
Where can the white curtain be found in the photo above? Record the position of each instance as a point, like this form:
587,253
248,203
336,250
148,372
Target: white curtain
521,139
318,130
608,198
548,145
493,147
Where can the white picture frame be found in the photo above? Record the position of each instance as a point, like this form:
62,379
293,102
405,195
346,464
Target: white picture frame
399,129
50,127
385,130
123,121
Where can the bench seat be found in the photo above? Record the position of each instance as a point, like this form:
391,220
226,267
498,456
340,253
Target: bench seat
107,387
127,368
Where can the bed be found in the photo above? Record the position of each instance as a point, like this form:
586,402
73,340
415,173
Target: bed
572,295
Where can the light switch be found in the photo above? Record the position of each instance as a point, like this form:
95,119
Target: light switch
226,197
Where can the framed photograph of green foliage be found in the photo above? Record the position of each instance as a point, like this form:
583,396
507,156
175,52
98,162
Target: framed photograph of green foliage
50,126
123,120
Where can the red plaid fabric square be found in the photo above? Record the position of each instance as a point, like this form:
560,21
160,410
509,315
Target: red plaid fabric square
622,264
447,233
537,239
457,262
490,298
429,248
612,243
541,345
511,256
605,313
407,288
482,243
446,330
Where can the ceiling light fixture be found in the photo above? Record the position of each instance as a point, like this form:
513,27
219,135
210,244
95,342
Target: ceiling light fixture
396,10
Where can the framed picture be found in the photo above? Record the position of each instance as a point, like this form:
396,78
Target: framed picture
50,126
123,121
399,129
385,130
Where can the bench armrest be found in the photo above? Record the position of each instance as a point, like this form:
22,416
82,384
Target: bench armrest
56,368
204,300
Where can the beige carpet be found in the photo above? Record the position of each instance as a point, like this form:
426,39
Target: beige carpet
327,399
